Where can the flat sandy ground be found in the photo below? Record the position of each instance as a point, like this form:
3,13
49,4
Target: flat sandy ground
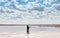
35,32
41,34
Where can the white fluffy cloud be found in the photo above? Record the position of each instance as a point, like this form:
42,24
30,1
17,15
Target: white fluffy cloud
30,7
1,0
24,0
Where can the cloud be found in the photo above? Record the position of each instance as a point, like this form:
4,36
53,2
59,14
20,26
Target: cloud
57,7
24,0
30,10
1,0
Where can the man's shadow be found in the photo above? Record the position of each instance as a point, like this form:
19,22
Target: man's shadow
28,36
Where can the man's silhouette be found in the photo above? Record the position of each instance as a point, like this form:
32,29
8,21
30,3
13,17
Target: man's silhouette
27,29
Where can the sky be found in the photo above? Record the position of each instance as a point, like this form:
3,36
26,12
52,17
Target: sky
29,9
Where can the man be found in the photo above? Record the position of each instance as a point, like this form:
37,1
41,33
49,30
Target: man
27,29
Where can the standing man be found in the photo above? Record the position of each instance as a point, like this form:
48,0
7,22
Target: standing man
27,29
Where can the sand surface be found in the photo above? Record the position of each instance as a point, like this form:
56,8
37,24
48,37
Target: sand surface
42,34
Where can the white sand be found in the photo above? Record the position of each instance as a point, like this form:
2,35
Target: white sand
42,34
